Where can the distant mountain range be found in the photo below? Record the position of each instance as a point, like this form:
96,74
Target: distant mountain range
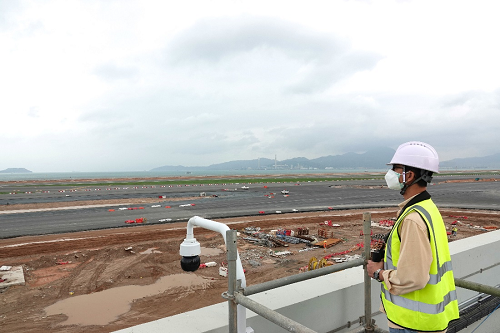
372,159
15,170
485,162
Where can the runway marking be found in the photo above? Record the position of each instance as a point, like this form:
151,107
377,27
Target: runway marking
60,208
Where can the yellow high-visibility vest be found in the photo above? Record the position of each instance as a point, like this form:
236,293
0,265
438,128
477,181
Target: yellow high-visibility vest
434,306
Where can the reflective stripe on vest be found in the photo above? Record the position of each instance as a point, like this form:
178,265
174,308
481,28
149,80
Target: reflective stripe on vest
419,306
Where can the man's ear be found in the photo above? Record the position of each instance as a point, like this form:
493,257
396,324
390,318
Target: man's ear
410,176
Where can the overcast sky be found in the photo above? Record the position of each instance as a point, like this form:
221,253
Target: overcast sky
134,85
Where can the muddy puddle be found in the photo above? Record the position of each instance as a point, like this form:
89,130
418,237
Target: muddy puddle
103,307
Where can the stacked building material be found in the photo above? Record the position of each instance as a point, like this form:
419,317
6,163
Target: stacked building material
310,239
290,239
302,231
331,242
325,233
275,242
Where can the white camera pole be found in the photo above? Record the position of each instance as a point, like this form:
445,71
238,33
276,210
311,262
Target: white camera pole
190,248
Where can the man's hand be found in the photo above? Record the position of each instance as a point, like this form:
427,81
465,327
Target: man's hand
372,266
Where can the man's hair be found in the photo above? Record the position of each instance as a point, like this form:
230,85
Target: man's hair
420,172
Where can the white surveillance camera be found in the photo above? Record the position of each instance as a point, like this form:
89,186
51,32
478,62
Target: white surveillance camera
190,251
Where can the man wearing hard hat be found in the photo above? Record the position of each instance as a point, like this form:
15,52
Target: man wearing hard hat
418,289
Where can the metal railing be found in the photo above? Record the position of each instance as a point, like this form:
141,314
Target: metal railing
237,295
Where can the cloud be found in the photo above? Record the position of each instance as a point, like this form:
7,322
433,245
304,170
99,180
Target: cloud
92,85
112,71
213,39
317,60
469,121
8,10
34,112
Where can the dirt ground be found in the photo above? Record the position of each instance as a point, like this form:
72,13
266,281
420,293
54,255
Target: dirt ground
81,270
61,204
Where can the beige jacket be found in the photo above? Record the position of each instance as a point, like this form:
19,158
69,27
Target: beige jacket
415,258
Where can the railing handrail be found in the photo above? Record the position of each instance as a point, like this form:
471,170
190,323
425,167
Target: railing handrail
482,288
239,295
257,288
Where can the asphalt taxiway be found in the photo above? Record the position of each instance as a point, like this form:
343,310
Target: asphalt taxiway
221,200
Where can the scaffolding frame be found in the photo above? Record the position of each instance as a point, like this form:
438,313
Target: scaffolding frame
237,295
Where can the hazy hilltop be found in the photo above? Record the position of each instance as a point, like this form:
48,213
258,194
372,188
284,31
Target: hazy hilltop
373,159
15,170
485,162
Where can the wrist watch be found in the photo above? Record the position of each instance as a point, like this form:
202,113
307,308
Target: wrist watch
376,275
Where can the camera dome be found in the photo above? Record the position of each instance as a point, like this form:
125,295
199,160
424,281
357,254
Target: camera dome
190,264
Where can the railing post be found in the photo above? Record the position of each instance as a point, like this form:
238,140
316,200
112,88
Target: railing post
367,221
232,255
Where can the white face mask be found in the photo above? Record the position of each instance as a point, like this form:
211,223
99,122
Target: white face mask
392,180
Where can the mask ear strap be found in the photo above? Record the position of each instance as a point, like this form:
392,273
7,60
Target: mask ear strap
405,186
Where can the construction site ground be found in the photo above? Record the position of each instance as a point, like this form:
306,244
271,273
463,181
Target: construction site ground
106,280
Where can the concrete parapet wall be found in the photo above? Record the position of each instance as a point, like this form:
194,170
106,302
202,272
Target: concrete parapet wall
330,302
476,259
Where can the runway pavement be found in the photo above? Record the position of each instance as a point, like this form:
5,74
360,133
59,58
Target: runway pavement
231,201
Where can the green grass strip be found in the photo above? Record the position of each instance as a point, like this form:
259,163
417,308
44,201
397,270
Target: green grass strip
218,181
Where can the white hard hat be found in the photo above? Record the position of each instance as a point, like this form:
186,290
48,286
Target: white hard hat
417,154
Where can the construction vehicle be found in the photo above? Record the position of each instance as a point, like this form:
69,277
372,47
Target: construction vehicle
314,263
